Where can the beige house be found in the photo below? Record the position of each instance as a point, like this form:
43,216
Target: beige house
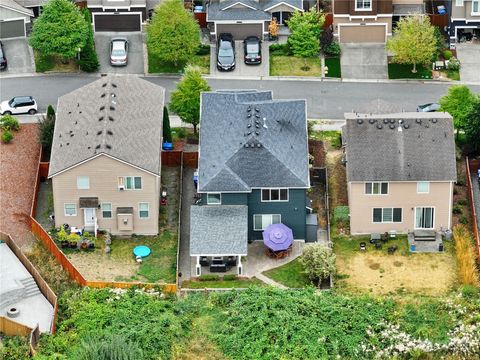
400,171
106,156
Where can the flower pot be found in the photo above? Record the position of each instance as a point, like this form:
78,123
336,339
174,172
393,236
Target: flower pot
73,245
64,244
84,245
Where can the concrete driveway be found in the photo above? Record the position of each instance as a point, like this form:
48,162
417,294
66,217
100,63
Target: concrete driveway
364,61
135,53
469,56
19,57
241,69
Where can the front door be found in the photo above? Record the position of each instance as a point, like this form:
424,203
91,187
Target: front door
89,217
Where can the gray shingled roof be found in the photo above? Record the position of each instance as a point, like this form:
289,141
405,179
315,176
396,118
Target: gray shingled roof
237,153
254,10
126,126
218,230
423,151
17,6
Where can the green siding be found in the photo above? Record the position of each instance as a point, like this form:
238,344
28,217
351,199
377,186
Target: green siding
230,199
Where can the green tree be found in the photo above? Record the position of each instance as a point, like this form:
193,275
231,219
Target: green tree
457,103
88,57
472,125
61,30
46,127
185,100
167,132
173,35
414,41
319,262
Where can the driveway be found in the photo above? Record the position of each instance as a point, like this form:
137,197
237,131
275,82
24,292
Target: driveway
241,69
469,56
19,57
364,61
135,53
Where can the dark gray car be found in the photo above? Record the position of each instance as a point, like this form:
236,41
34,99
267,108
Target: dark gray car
225,52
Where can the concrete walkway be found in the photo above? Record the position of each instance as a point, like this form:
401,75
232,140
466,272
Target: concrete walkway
269,281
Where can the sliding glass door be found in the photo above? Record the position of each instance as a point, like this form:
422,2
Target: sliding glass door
424,217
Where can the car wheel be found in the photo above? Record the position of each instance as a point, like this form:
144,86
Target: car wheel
7,113
32,111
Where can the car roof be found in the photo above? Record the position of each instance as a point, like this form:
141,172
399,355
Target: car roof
23,98
225,44
118,45
252,39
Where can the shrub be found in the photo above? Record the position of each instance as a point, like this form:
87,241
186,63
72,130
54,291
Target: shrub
14,348
447,54
326,39
453,64
341,214
230,277
457,209
167,132
46,128
462,202
62,235
319,262
464,251
280,50
73,238
333,49
204,49
88,57
7,136
111,347
463,220
209,277
181,133
8,122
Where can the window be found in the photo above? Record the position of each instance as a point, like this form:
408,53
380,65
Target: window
106,210
130,182
387,215
476,7
83,182
143,210
376,188
423,187
363,5
458,2
274,194
261,222
214,199
424,217
70,209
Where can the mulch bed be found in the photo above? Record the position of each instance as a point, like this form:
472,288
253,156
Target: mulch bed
18,169
317,149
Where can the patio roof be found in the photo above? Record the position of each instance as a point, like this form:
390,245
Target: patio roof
218,230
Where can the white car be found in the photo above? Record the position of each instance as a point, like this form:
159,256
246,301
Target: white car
19,105
119,51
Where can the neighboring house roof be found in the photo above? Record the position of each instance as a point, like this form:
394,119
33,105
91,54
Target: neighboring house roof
424,149
248,140
246,10
119,116
218,230
16,6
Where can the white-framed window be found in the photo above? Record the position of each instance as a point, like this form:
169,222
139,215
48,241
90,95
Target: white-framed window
83,182
144,210
423,187
275,194
387,215
458,2
261,221
106,210
70,209
475,7
214,198
363,5
376,188
424,217
130,183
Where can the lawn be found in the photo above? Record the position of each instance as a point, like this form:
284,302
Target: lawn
282,65
404,71
221,283
201,59
334,68
333,137
291,275
44,63
452,74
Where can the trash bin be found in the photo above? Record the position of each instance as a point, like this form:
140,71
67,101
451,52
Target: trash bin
413,247
448,234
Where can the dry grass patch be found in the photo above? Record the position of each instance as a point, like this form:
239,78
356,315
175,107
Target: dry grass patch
464,250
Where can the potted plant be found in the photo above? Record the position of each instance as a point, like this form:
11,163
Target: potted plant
73,240
62,236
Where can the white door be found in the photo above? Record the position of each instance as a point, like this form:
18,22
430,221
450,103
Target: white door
89,217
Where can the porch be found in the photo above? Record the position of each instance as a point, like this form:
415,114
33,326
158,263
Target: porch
425,241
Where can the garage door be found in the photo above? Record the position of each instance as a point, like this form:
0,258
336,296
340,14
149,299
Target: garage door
117,22
362,34
11,29
241,31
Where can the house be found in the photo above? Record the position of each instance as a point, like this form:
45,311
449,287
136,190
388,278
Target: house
253,171
370,21
15,20
105,164
464,20
35,5
400,171
243,18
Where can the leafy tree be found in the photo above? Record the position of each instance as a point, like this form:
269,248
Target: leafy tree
319,262
88,57
46,127
185,100
414,41
273,28
60,30
173,35
8,122
439,42
167,132
457,103
472,125
7,136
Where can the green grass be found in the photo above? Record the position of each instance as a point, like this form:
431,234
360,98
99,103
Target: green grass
201,60
350,245
43,62
334,68
238,283
293,66
452,74
404,71
331,136
291,275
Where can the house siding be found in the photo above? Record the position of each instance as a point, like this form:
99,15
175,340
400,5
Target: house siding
401,195
348,7
103,173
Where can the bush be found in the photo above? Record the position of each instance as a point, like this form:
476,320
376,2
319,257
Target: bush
457,209
46,128
447,54
463,220
453,64
14,348
8,122
326,39
341,214
319,262
462,202
167,132
464,251
230,277
204,49
209,277
88,57
333,49
181,133
280,50
111,347
7,136
43,62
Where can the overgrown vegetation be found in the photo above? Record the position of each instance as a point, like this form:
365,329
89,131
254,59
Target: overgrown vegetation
14,348
46,127
464,250
8,125
224,282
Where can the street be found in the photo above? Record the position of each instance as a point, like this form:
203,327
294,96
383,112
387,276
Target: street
325,100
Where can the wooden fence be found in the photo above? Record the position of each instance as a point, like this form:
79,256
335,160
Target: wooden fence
328,20
470,166
439,20
180,158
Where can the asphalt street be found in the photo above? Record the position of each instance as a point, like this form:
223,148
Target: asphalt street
325,100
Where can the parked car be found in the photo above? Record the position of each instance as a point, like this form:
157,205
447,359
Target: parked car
3,59
119,51
428,107
19,105
253,50
226,52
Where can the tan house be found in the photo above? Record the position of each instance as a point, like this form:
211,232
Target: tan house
400,171
465,21
106,156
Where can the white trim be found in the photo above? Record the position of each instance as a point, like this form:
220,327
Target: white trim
83,187
363,9
111,210
65,212
17,10
428,187
85,224
270,194
459,3
236,22
415,217
148,206
214,255
283,3
238,3
271,220
387,222
380,188
214,203
450,202
363,17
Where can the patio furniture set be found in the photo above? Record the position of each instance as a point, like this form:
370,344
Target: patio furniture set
378,240
219,264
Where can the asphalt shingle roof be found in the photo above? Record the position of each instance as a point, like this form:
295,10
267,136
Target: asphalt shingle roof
120,116
248,140
253,10
424,149
218,230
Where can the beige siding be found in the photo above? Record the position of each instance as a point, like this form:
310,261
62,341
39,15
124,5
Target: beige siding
282,8
464,12
362,34
401,195
103,172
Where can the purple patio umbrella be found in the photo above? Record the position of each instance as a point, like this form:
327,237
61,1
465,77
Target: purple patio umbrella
278,237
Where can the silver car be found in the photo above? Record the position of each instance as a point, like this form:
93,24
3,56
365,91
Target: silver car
118,51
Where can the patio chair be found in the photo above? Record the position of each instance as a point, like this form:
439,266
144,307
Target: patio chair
363,246
391,250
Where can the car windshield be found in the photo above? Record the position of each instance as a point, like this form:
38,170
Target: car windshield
225,52
11,102
118,52
252,48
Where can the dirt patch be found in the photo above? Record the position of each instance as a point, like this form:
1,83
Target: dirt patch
337,179
317,149
397,263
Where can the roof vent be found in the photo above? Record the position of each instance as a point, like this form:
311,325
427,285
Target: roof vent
385,121
418,121
406,126
113,95
88,147
69,112
102,108
97,147
100,118
71,135
60,135
249,126
249,109
76,122
259,145
392,126
427,126
359,121
79,112
257,126
114,85
104,84
257,116
434,121
392,121
108,146
246,145
257,109
249,115
111,118
68,143
109,132
371,121
103,95
257,133
379,126
112,107
99,132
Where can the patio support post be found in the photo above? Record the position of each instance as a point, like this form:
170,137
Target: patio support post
239,266
198,268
